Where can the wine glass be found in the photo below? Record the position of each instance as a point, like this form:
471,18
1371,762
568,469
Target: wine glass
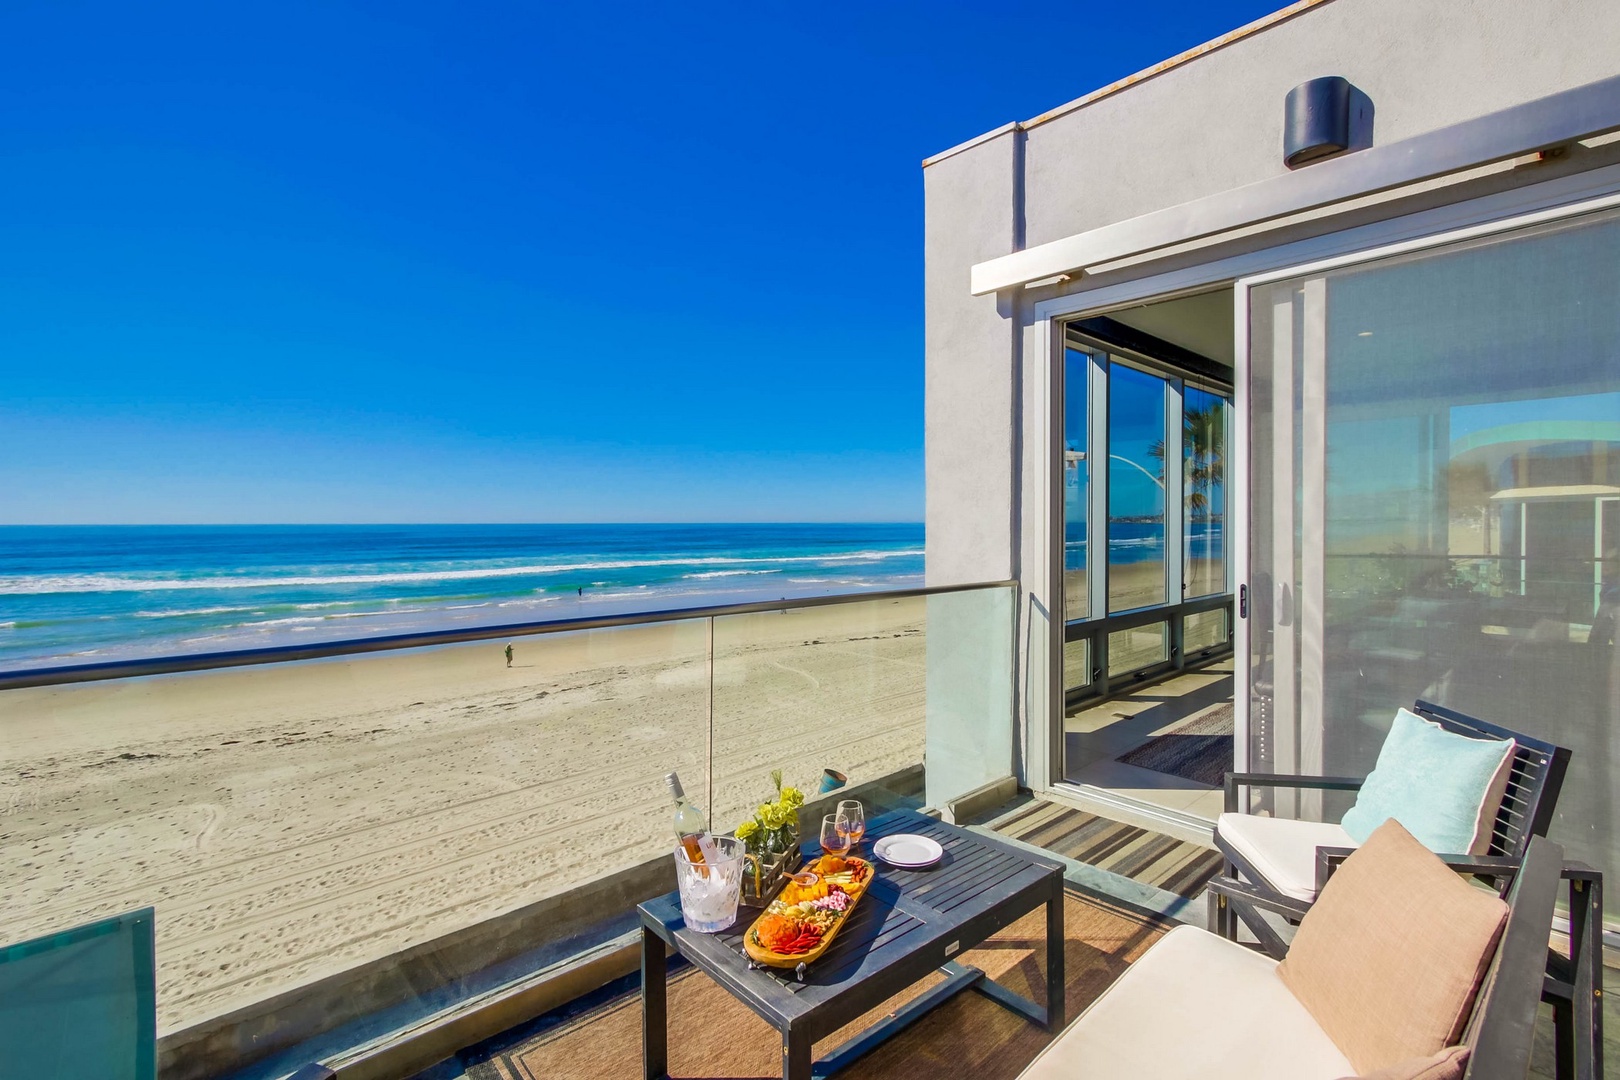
834,840
852,820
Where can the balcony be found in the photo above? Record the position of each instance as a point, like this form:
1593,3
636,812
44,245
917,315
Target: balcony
347,844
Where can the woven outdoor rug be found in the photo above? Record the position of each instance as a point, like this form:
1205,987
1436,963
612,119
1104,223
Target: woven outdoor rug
1127,850
712,1035
1197,749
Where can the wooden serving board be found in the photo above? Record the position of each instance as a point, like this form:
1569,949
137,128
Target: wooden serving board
765,956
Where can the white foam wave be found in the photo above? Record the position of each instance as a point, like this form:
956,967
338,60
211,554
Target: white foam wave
298,620
727,573
188,611
77,583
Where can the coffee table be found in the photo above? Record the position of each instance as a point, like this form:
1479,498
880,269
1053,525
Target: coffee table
908,924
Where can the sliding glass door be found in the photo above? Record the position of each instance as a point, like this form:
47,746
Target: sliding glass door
1434,448
1155,593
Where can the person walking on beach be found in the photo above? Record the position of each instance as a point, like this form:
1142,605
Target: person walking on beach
508,654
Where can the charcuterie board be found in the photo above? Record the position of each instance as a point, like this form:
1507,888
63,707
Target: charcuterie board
802,921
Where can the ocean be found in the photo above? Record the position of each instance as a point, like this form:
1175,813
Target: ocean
88,594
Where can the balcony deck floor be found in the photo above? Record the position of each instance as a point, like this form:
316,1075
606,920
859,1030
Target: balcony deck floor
712,1035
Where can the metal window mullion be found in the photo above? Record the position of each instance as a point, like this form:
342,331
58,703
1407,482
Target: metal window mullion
1175,511
1097,486
1313,540
1284,701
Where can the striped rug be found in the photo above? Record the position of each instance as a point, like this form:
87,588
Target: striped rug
1140,854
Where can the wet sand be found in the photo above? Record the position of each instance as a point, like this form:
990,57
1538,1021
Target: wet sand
290,821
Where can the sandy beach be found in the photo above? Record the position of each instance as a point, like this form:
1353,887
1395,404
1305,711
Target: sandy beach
290,821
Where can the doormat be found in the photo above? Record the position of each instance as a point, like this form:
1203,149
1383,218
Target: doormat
1197,749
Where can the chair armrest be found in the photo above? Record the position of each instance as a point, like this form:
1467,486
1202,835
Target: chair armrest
1233,889
1247,901
1235,780
1329,859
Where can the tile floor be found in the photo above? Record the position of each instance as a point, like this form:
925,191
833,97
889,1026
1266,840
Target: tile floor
1096,734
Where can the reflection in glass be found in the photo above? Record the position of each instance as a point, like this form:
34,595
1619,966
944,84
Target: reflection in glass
1076,594
1203,630
1138,647
1136,572
1461,545
1203,470
1076,663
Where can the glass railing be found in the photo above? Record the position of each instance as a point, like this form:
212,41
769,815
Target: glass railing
293,821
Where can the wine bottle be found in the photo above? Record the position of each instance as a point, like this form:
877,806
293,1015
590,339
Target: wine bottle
691,828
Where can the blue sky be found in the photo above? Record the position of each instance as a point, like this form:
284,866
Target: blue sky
401,262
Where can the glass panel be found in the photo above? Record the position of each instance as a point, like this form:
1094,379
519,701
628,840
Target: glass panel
1203,630
1203,467
79,1003
970,691
291,821
1436,446
1076,663
1076,469
1138,647
1136,573
840,687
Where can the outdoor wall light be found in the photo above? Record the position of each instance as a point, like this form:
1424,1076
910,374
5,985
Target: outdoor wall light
1324,117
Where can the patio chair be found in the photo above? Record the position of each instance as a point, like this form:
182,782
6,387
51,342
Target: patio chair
1294,857
1287,862
1401,970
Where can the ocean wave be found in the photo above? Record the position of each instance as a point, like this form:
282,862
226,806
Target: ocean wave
726,573
300,620
95,583
189,611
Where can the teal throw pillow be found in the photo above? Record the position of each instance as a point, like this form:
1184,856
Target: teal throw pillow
1443,787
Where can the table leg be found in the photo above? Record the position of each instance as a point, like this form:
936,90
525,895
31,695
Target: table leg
1056,983
654,1007
796,1061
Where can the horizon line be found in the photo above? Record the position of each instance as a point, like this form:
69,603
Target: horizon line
419,524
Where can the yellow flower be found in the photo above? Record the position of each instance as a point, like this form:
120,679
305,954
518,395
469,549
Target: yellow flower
775,815
792,798
747,829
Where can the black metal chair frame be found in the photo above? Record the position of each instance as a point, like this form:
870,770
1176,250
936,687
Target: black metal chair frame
1573,985
1501,1030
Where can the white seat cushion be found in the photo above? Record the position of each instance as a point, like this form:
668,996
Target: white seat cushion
1281,849
1194,1005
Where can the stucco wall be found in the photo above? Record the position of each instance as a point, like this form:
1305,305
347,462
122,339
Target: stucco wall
1215,122
971,422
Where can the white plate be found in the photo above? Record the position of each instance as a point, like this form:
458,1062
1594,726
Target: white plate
908,850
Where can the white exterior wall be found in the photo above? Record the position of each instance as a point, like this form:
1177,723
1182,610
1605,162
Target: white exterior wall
972,424
1198,128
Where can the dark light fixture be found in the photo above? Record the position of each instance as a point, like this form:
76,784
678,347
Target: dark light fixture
1316,121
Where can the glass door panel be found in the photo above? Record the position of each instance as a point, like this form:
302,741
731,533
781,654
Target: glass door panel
1136,524
1076,490
1433,442
1203,470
